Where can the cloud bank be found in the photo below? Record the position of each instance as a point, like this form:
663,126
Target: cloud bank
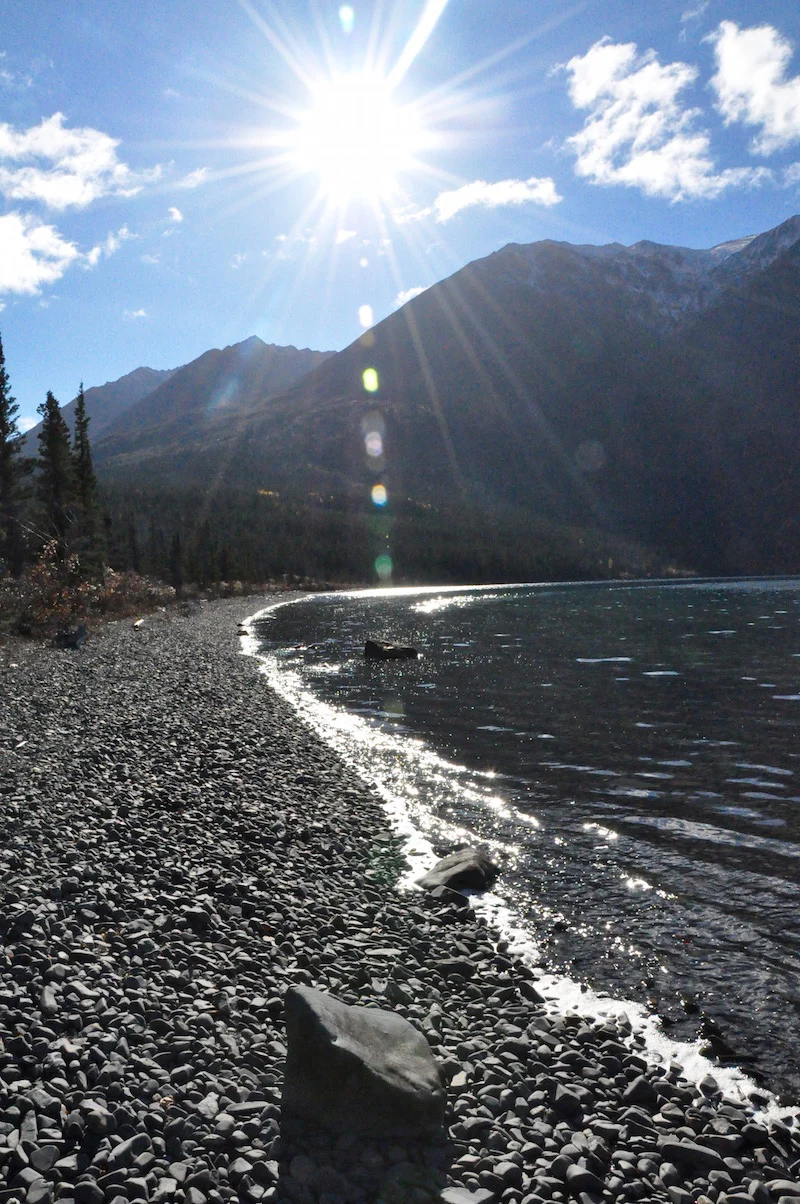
31,254
63,168
489,196
752,86
640,132
480,194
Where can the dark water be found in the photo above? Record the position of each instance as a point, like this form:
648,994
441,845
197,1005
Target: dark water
631,752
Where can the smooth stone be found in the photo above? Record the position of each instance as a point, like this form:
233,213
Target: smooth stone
463,1195
640,1091
579,1179
358,1070
466,869
125,1153
44,1158
165,1190
688,1154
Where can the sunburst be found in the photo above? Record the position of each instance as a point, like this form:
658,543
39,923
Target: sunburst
357,139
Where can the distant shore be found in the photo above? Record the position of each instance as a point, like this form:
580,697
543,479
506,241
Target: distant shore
178,850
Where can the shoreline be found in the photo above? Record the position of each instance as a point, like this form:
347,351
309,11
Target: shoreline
387,761
178,850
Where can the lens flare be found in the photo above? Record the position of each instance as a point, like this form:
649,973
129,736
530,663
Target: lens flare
374,444
383,567
365,315
379,495
371,381
347,17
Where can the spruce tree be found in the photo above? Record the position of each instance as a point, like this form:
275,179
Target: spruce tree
13,469
85,480
56,483
88,536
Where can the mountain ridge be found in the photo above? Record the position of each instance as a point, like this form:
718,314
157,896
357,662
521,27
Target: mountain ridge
646,391
219,386
105,403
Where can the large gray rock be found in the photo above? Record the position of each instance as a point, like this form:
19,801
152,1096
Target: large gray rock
379,650
467,869
355,1069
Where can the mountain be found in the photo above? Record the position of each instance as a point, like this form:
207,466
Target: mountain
647,392
203,403
105,403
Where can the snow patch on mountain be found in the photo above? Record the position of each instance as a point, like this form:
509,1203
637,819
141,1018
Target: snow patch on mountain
671,281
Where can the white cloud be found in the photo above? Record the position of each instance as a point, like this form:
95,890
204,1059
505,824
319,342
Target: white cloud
638,132
752,86
62,167
505,192
132,314
32,254
538,191
13,79
194,178
175,214
26,423
151,258
344,236
411,213
10,79
409,294
104,249
692,16
238,259
792,174
289,243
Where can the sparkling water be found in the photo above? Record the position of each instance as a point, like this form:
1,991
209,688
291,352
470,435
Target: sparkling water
628,752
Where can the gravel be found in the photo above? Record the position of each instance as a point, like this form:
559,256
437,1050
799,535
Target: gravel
177,850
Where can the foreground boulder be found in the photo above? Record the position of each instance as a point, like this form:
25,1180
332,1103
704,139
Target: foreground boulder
378,650
359,1070
467,869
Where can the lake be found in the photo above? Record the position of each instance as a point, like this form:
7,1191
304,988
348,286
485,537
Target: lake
629,752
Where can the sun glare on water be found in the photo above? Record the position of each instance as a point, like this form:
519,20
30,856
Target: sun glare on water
357,139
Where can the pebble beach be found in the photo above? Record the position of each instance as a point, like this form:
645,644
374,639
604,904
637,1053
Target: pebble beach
177,851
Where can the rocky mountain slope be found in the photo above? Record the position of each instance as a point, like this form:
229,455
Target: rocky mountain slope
206,400
106,403
647,391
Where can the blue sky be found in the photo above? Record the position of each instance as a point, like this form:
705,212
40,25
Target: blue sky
178,176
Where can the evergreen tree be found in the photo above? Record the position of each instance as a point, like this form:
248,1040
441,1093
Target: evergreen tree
89,541
13,469
85,480
56,484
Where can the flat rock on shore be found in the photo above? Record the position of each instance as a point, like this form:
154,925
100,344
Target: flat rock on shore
178,850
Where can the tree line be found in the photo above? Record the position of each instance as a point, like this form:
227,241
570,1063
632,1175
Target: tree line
48,502
52,503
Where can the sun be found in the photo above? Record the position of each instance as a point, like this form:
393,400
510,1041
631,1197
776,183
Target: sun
356,138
